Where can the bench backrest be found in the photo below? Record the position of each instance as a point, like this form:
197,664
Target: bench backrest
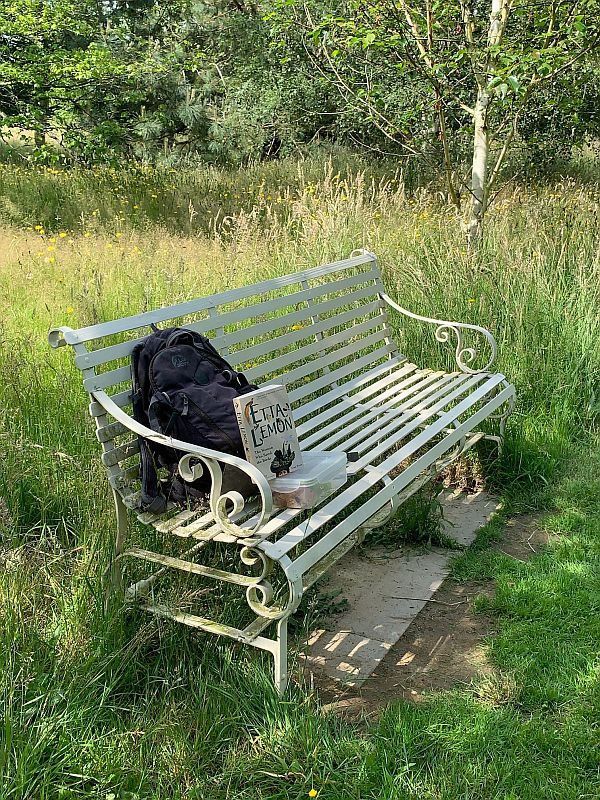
311,330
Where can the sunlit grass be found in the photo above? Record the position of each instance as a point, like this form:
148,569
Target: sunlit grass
95,706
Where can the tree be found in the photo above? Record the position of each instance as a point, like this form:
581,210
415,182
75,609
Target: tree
477,65
53,62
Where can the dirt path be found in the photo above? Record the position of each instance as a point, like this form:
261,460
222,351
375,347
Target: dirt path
444,647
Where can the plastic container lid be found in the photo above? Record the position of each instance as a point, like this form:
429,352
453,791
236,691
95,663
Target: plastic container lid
318,467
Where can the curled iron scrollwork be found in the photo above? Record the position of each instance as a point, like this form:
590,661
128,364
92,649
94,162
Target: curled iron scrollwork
465,356
261,596
227,505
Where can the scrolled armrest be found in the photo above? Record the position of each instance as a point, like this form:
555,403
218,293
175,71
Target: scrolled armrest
464,355
60,337
211,459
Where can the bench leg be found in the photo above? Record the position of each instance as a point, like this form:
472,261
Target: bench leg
114,574
502,418
280,656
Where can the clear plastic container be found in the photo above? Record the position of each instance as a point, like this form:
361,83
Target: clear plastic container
320,475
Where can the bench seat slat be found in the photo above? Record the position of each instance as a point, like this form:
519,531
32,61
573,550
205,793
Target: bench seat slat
206,529
407,374
405,422
378,408
204,521
178,519
390,422
369,441
292,538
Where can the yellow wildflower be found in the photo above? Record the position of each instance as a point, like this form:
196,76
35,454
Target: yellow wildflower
62,235
50,260
87,235
136,206
52,239
38,228
471,300
313,793
118,235
51,248
70,309
297,327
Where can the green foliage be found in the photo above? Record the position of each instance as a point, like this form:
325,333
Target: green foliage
418,521
562,115
231,82
112,705
55,62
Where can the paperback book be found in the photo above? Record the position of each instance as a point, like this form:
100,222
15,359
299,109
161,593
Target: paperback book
268,431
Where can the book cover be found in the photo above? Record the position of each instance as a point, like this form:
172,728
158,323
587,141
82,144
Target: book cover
268,431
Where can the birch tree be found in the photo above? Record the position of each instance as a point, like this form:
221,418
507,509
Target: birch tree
482,61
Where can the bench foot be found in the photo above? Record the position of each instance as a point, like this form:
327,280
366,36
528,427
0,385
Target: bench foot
280,667
113,577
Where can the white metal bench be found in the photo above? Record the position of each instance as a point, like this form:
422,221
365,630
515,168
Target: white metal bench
325,334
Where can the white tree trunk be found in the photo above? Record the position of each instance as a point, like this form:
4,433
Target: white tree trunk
479,169
481,146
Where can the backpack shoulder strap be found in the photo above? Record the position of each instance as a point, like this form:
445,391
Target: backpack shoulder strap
153,499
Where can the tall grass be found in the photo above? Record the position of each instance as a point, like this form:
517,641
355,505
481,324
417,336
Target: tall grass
120,707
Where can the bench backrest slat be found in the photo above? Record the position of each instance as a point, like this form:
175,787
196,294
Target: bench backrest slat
311,330
162,315
295,337
312,366
248,314
240,358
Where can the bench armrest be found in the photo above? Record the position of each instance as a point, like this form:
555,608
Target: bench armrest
211,459
464,355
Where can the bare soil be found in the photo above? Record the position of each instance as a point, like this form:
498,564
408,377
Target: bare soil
445,646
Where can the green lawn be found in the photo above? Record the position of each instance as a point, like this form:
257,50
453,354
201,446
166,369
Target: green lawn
116,707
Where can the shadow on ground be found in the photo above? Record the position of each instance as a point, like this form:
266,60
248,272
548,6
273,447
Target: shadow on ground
444,647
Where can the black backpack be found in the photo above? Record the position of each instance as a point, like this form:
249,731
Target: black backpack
182,387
